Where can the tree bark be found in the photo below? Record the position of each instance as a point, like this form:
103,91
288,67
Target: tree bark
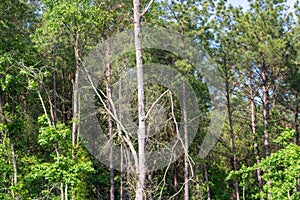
110,131
265,107
231,131
253,126
122,178
15,168
123,164
266,114
206,180
54,85
186,145
75,96
63,104
175,178
141,171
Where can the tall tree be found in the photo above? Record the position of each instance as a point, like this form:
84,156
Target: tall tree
225,56
141,170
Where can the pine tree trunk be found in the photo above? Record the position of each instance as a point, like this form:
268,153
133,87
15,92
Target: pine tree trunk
253,126
265,107
231,131
141,171
266,103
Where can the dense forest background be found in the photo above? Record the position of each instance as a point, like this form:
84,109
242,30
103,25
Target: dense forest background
257,52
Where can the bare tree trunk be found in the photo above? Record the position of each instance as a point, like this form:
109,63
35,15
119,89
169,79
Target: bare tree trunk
62,191
122,178
265,107
63,104
123,164
253,126
206,180
75,96
150,181
66,192
231,132
175,178
186,145
14,159
109,120
141,171
266,114
54,85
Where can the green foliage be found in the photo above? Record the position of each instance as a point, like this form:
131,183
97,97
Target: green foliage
281,170
285,137
62,170
50,135
5,169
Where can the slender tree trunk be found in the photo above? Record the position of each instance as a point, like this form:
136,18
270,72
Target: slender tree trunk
244,193
54,110
266,103
75,96
141,171
123,164
253,126
186,134
206,180
150,181
175,178
110,131
265,107
63,104
122,178
66,191
54,85
186,144
62,196
231,131
14,159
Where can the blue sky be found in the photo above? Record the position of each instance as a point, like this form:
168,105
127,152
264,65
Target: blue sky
244,3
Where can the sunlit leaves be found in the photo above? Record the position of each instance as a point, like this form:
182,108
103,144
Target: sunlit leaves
281,170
